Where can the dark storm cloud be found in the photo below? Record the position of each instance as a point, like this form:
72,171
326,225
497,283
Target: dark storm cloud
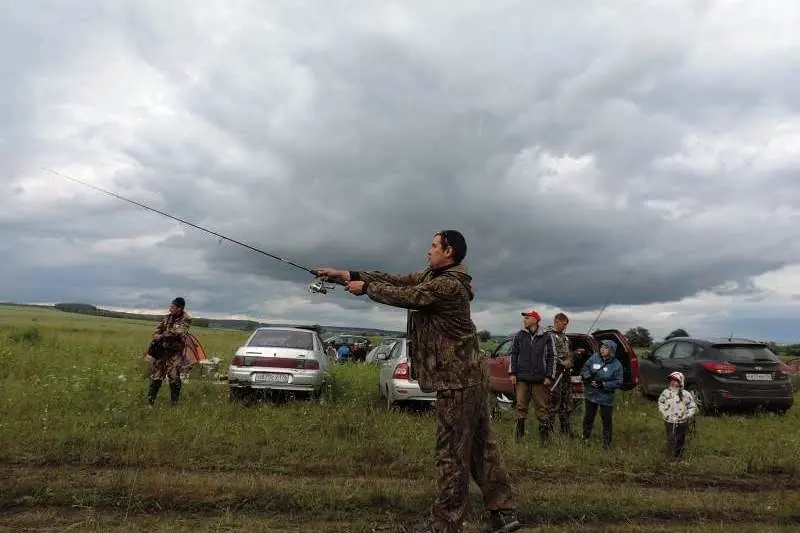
549,143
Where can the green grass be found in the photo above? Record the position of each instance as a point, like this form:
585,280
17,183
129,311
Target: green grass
78,441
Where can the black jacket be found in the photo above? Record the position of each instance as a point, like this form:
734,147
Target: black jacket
533,356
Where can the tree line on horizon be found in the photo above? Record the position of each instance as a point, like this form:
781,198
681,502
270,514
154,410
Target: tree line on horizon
639,336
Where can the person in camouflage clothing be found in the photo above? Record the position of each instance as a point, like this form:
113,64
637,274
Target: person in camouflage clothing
560,405
167,349
446,358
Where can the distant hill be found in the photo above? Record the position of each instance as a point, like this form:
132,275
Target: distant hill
221,323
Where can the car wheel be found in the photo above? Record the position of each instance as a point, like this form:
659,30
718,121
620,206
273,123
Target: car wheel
703,406
325,393
242,396
642,386
391,405
234,395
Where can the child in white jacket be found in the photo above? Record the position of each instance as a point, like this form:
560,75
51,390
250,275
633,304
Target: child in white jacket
677,407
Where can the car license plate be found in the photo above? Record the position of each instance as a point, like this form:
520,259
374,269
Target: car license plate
271,378
758,377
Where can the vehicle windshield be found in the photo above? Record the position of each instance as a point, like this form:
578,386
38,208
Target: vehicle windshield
275,338
748,354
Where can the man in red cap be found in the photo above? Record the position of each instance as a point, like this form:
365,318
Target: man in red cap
532,368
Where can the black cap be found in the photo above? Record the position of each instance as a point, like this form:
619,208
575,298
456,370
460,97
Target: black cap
180,302
457,242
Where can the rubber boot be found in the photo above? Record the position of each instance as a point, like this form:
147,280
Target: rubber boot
520,428
174,392
155,385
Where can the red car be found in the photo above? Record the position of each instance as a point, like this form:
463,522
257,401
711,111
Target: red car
584,344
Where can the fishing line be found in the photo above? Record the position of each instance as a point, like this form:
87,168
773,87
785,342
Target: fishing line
319,285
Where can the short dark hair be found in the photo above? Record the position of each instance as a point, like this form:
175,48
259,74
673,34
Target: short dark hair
561,316
179,302
455,240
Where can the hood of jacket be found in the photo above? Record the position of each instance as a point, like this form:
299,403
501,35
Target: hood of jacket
612,346
459,271
678,376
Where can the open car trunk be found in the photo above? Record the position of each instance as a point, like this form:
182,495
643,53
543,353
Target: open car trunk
626,355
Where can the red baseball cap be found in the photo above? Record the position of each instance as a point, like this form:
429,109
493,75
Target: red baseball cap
533,314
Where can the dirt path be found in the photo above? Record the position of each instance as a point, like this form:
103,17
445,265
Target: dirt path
71,498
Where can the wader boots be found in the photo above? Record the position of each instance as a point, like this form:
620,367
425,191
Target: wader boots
155,384
174,392
520,428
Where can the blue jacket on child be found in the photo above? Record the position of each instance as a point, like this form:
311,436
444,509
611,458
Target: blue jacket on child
607,372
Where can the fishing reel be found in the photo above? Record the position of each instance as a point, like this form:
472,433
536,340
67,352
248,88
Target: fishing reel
320,285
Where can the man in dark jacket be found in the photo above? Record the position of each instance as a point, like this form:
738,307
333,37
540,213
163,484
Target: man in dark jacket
532,368
446,358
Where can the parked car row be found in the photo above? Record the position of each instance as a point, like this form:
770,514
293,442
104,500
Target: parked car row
721,373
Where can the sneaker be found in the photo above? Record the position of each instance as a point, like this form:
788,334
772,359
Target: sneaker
501,522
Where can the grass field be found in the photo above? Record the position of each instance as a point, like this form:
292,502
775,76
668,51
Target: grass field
80,450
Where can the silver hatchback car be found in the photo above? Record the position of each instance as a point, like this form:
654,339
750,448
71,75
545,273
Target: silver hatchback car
289,360
395,384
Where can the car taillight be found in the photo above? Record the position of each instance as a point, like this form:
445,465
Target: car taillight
718,368
309,364
784,369
401,371
237,360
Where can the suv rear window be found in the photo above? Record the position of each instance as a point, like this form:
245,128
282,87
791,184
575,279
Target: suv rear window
271,338
747,354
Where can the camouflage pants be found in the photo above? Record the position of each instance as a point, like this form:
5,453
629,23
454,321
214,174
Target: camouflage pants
466,445
560,406
168,366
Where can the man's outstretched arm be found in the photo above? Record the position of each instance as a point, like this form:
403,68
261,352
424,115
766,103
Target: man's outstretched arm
372,276
425,295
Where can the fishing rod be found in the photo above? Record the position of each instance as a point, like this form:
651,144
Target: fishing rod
320,285
597,318
610,299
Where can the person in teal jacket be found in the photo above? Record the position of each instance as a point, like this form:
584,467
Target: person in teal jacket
602,376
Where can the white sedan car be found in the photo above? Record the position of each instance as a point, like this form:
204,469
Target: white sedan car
395,384
288,360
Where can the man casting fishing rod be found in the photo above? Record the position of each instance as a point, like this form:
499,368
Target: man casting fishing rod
445,357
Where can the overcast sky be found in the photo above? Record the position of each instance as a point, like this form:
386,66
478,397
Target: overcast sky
644,152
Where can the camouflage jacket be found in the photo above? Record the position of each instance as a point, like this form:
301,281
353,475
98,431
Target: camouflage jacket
444,347
563,354
173,328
